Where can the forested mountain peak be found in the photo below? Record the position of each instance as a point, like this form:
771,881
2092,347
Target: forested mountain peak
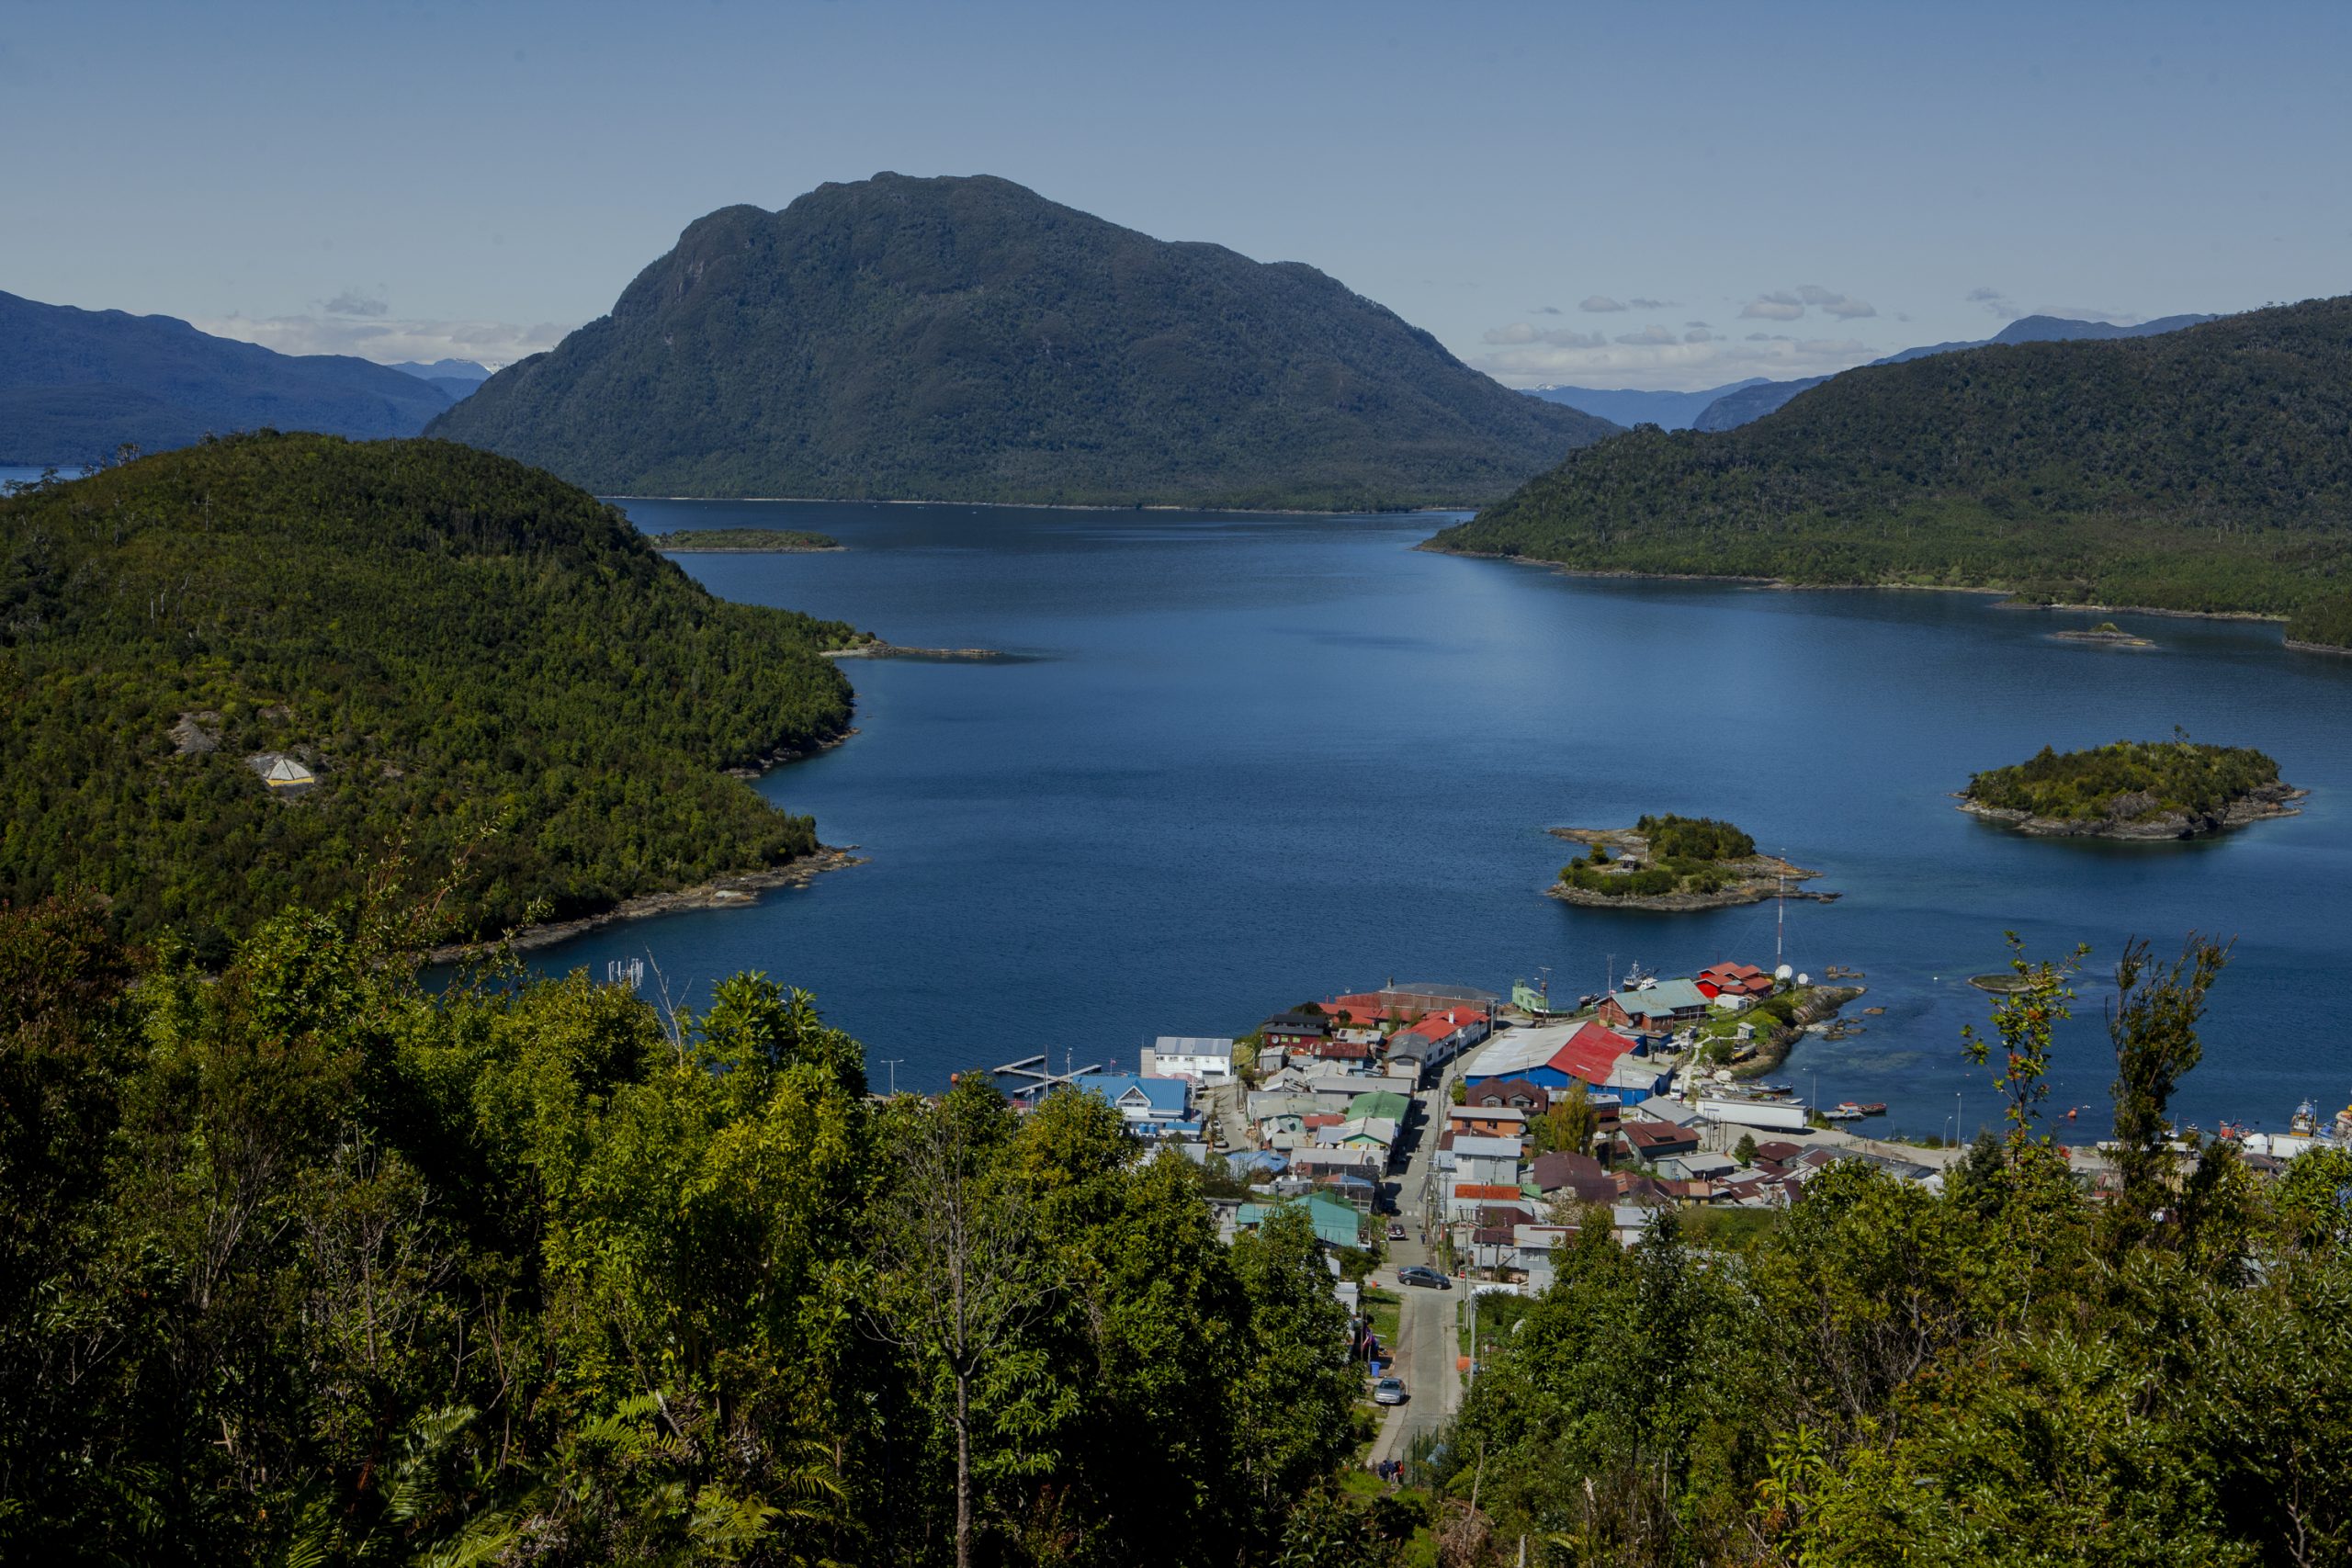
468,656
967,339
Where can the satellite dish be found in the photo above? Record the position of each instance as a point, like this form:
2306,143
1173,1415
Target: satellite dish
1805,979
1782,973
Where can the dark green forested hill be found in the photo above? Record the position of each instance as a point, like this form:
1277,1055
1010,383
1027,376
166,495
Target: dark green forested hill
968,340
450,641
2209,468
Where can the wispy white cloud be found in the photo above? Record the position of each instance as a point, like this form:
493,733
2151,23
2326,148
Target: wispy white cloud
1659,360
1996,303
387,341
1640,304
1789,304
1547,310
352,302
1600,304
1845,307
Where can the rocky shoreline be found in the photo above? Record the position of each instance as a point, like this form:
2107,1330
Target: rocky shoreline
2007,597
737,892
1826,1001
2101,636
1758,877
2126,818
783,754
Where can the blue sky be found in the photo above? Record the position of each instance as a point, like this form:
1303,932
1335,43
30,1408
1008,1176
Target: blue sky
1772,190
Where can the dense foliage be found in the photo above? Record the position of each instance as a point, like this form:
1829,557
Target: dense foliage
2146,777
968,340
2208,469
307,1264
478,661
687,541
2018,1370
1694,838
76,385
1685,856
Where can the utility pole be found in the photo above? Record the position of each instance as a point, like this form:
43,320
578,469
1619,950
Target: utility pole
1780,924
892,1062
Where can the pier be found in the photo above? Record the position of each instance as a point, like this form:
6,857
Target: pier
1033,1076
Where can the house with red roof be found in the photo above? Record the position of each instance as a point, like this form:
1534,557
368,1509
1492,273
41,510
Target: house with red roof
1554,1055
1646,1141
1734,980
1353,1055
1517,1093
1438,1037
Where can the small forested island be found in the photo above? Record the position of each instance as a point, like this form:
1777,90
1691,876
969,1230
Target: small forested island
2133,789
1674,863
2106,634
744,541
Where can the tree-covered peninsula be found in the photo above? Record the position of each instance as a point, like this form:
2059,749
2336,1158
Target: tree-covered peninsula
243,673
966,339
2132,789
2207,470
1673,863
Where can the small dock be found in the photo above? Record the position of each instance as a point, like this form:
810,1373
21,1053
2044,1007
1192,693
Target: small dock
1033,1076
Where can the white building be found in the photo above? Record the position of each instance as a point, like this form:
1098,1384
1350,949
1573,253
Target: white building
1204,1058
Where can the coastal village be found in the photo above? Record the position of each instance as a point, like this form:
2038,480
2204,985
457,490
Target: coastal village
1445,1142
1443,1138
1513,1116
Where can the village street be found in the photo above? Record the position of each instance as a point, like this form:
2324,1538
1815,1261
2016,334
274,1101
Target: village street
1427,1337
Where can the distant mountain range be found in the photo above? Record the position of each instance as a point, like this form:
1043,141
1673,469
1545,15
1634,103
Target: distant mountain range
77,385
2202,468
457,378
966,339
1628,407
1753,400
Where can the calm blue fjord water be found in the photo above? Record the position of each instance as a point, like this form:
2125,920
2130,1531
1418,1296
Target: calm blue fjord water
1262,759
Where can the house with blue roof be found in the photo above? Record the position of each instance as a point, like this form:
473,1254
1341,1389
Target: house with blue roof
1152,1107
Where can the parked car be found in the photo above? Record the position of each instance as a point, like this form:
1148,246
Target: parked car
1388,1391
1414,1274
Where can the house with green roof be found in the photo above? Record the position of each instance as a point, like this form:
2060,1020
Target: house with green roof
1381,1103
1335,1222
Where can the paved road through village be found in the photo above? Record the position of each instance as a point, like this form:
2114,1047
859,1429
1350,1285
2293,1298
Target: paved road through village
1427,1337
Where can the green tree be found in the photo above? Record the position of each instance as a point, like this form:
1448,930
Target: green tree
2153,1022
1567,1124
1293,1379
2025,1019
